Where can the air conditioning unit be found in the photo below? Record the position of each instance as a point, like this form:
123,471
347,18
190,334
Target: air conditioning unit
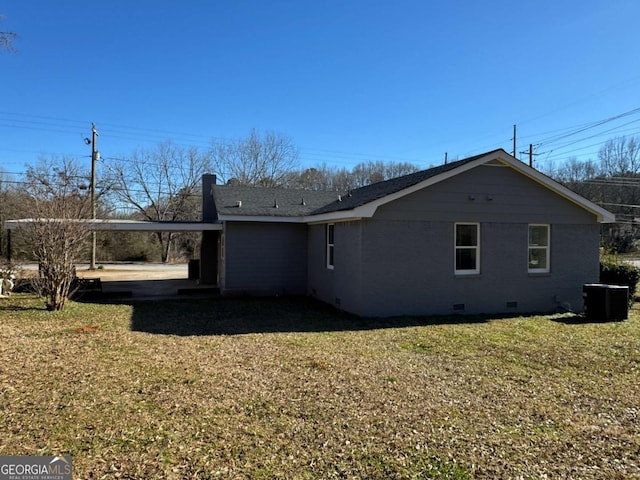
604,303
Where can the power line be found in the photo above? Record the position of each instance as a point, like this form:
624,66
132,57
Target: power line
307,154
588,126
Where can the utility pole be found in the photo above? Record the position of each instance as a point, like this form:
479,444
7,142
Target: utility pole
531,154
94,158
514,141
446,157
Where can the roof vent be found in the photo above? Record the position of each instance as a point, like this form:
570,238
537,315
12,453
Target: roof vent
339,198
303,202
275,203
239,203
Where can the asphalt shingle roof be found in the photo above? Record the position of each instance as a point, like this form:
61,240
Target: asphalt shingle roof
261,201
364,195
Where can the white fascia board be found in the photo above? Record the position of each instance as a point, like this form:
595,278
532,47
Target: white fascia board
326,218
121,225
343,216
260,218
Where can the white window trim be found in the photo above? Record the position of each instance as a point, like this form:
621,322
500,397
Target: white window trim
330,246
547,248
476,270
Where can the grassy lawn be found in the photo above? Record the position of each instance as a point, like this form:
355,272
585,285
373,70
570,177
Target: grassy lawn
289,389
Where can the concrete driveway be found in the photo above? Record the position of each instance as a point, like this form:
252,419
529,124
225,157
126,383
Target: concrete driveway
140,280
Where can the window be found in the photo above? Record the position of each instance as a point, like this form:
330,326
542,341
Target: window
539,248
329,253
467,248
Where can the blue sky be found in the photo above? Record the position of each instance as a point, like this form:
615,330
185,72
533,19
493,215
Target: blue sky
348,81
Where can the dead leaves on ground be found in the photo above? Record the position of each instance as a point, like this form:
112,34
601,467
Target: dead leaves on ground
511,398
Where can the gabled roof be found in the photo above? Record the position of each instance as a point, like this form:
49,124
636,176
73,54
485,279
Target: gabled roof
258,204
375,191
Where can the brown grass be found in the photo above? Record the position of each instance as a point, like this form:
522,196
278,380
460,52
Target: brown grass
289,389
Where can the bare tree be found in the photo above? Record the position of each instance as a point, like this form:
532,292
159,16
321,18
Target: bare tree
620,156
260,159
398,169
6,210
342,180
574,171
7,39
160,185
323,177
613,182
56,235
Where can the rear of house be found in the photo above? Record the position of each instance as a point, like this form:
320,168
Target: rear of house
487,240
483,235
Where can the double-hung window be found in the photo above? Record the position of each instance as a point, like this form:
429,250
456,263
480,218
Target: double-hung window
329,245
539,236
467,248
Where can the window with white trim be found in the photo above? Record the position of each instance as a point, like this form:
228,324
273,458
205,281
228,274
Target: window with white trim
330,245
538,255
467,248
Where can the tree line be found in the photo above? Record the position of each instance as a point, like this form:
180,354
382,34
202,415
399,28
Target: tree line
612,181
163,183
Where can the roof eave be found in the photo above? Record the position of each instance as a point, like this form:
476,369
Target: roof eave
369,209
260,218
341,216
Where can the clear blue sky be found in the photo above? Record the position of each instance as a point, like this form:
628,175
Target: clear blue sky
347,80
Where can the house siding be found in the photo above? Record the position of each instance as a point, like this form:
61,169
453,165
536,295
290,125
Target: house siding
487,194
265,259
408,249
340,286
408,268
401,261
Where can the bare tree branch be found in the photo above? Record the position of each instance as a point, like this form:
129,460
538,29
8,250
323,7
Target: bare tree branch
260,159
7,39
160,184
56,236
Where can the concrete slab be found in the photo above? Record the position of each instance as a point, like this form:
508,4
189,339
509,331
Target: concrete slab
141,281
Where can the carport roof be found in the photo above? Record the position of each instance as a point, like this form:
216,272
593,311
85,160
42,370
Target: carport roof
123,225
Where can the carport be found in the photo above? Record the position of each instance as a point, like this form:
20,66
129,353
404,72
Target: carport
209,245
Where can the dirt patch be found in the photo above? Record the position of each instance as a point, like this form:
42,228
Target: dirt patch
136,271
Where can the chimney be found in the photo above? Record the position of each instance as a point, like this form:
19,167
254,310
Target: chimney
209,212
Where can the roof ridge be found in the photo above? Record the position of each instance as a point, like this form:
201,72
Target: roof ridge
374,191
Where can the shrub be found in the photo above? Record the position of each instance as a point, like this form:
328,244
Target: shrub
614,272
